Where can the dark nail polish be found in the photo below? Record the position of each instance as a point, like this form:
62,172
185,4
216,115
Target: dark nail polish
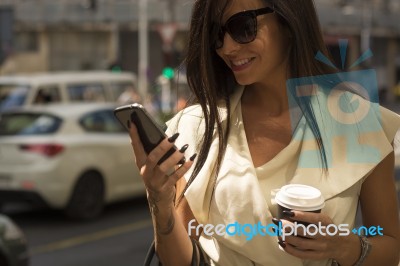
182,161
276,221
273,230
193,157
281,243
184,148
288,213
173,137
128,124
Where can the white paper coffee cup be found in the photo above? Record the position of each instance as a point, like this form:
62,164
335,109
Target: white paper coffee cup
299,197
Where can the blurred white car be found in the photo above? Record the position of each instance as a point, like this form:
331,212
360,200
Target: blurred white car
64,87
13,244
75,157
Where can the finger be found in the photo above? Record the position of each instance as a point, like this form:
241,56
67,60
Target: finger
175,176
158,152
305,230
140,154
170,180
303,243
304,254
311,217
293,228
173,160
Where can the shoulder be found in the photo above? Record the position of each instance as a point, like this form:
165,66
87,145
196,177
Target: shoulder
191,119
186,119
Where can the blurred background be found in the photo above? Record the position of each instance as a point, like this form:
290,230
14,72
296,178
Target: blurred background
102,54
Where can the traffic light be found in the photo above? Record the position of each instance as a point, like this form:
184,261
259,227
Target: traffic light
115,67
168,72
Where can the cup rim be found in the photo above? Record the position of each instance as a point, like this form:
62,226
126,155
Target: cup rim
288,199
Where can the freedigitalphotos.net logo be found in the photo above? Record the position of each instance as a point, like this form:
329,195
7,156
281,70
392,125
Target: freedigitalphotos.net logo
296,229
345,105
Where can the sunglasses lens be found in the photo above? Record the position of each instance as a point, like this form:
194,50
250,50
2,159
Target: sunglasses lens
242,29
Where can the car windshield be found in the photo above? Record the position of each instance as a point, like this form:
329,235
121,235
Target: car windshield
12,95
28,124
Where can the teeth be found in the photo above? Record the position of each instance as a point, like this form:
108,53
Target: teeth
241,62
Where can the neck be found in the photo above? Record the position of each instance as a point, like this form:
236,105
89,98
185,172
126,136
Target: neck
269,97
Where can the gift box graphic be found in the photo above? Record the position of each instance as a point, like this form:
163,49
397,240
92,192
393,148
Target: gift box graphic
345,106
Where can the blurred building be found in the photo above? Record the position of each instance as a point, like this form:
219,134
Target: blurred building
52,35
373,24
91,34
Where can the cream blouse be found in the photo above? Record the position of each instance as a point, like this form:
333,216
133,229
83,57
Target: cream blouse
245,194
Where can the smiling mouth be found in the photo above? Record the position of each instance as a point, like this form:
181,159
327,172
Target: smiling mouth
241,64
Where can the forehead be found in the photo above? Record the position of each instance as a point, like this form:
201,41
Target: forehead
235,6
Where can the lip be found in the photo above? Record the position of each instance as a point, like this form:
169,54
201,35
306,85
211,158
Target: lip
236,68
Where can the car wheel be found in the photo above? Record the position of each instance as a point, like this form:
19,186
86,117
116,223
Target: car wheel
87,199
3,260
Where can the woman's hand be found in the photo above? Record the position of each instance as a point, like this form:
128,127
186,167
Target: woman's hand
173,245
159,179
318,243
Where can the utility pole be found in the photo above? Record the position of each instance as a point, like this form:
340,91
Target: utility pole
6,31
167,31
366,24
143,48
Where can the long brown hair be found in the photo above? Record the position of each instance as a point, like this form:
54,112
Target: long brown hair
212,82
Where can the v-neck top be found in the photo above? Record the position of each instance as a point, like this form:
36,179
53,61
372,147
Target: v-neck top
242,194
269,186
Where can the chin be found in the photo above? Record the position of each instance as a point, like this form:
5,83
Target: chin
244,81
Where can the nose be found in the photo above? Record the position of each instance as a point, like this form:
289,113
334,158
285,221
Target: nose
229,46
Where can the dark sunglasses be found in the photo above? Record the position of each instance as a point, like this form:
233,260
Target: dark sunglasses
242,27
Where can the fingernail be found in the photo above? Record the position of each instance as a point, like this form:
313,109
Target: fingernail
288,213
128,124
193,157
173,137
184,148
182,161
276,221
281,243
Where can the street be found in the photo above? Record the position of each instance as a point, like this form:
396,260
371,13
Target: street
121,236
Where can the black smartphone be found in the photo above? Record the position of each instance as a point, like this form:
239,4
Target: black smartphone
150,133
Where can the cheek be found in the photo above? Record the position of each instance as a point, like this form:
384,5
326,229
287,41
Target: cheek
262,49
272,39
272,49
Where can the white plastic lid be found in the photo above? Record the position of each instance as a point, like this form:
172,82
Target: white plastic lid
300,197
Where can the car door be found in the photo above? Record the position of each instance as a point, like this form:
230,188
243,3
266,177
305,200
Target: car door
112,140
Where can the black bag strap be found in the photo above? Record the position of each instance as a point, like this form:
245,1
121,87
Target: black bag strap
202,259
194,256
150,254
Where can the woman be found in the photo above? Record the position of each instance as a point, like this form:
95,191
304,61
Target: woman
240,55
